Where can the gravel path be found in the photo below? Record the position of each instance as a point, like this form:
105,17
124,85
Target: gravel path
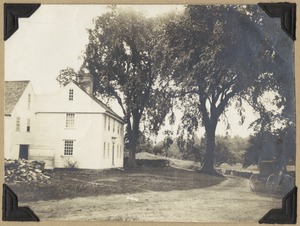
229,201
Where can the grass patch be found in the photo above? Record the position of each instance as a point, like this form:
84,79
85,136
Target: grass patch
83,183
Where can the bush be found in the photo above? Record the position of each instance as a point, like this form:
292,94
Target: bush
71,163
152,162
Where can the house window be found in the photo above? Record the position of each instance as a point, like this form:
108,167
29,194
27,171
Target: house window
113,125
104,122
118,131
18,121
29,101
107,149
68,150
108,124
104,150
28,125
71,94
70,120
117,151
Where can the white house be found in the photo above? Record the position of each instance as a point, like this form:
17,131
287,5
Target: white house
18,119
65,128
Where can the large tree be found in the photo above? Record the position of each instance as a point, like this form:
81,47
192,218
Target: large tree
220,55
121,55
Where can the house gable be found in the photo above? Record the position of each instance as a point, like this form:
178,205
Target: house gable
104,108
13,91
60,103
107,109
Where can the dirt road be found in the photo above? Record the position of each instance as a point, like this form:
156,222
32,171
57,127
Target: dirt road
229,201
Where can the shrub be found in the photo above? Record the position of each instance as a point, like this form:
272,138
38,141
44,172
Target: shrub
71,163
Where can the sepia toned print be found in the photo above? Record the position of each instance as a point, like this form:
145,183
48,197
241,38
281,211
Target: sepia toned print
159,113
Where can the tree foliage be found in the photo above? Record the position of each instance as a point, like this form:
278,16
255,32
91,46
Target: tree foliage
144,143
180,148
67,75
190,147
230,150
277,145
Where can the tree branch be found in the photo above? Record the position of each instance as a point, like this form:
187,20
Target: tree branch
202,107
121,104
220,108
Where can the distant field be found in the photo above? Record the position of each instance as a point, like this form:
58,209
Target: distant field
177,163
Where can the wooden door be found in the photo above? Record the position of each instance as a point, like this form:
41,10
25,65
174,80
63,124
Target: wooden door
23,154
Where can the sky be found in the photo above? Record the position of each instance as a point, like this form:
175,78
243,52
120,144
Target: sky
54,38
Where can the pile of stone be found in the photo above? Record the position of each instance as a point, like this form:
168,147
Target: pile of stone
22,170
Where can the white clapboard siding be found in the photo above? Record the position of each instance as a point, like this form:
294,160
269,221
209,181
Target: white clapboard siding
13,138
48,133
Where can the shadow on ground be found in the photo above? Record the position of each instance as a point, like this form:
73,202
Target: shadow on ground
84,183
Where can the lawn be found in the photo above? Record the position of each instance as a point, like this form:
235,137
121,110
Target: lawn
65,183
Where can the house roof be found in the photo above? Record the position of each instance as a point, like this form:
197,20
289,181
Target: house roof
13,91
107,109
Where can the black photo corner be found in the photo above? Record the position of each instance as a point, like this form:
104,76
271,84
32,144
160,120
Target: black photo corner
287,214
12,13
10,209
285,11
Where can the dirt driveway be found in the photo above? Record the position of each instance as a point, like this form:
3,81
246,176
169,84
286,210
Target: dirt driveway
229,201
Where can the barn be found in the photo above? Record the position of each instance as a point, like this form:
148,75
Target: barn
69,128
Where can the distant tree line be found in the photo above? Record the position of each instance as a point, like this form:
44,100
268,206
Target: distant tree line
229,149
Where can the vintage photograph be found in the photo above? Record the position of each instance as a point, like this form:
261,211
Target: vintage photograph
150,113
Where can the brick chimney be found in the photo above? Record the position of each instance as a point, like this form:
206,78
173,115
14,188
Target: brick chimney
86,82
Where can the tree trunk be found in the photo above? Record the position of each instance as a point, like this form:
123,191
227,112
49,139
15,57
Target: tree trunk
131,157
133,138
208,162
